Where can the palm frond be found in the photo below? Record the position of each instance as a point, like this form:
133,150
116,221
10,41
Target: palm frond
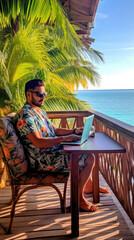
3,70
92,54
53,52
7,91
74,74
27,47
65,102
23,70
41,11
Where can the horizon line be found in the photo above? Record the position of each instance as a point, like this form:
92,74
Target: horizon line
105,89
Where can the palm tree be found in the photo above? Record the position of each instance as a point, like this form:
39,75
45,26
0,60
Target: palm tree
14,13
36,50
33,52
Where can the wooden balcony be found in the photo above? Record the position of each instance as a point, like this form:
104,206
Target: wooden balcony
37,213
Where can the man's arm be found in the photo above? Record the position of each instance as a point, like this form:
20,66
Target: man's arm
65,131
40,142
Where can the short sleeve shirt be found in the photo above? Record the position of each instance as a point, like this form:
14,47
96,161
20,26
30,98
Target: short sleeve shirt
28,121
42,159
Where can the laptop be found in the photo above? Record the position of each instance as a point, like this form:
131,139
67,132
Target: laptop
85,133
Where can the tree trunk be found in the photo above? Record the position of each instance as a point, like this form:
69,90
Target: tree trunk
15,25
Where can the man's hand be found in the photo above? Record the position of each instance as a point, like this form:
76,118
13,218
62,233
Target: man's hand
71,137
78,131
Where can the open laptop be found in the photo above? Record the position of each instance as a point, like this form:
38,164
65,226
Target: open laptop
85,133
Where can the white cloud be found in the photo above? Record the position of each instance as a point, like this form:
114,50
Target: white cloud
120,80
101,15
120,49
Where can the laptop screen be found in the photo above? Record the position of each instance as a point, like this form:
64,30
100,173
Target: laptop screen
87,128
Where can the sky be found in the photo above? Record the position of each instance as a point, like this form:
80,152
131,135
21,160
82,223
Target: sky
114,37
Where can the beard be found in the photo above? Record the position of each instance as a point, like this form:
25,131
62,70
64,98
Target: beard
38,104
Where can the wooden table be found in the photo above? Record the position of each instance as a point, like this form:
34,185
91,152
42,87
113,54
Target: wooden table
101,143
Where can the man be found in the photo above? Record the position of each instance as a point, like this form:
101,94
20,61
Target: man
41,140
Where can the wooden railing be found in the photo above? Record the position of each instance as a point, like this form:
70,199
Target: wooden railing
117,169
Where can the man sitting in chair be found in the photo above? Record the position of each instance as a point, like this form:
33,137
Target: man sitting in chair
41,140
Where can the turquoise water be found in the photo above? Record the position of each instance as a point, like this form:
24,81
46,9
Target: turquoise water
118,104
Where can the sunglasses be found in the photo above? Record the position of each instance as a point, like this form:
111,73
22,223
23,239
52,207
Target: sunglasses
39,94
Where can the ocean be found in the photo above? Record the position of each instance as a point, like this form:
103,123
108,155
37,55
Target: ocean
118,104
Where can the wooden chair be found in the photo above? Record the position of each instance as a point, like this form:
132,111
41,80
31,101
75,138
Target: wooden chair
12,154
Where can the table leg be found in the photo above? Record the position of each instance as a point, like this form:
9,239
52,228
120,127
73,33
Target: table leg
96,197
74,195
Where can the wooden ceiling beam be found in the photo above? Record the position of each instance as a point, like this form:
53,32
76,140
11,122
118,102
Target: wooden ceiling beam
89,40
81,9
82,13
93,8
82,32
80,25
84,42
82,3
80,18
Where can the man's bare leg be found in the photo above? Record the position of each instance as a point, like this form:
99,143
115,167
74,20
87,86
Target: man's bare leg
89,187
83,178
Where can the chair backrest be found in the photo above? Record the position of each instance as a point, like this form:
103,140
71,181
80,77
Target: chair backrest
12,148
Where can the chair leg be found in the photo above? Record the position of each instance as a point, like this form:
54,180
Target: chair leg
3,228
63,201
62,197
15,190
11,216
16,195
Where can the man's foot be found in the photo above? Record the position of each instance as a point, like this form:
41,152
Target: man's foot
104,190
87,206
101,190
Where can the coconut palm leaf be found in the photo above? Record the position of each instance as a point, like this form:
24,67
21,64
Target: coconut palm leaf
53,53
58,57
3,70
59,96
23,70
79,75
65,102
92,55
48,12
26,51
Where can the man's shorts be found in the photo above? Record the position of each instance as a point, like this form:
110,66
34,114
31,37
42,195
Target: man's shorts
57,161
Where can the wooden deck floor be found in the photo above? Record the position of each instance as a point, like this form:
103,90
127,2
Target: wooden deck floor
38,217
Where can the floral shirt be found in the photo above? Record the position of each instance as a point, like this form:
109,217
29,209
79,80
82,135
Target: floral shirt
28,121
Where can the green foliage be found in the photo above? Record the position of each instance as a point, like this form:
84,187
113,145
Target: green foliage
49,12
52,52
